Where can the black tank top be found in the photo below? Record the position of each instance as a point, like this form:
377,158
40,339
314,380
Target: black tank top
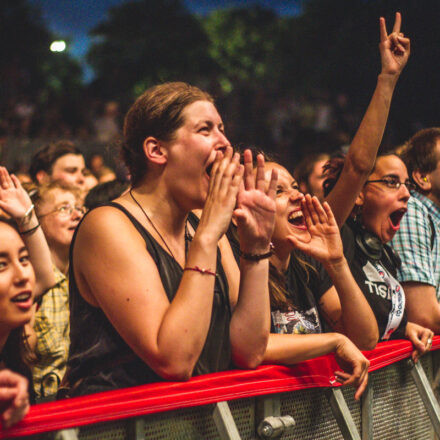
100,360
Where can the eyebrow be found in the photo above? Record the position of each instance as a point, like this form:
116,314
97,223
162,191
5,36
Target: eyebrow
209,123
6,254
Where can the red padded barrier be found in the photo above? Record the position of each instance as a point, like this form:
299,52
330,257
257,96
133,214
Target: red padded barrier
201,390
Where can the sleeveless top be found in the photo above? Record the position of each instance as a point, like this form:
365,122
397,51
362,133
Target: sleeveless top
100,360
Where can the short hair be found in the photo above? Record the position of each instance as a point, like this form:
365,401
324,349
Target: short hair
420,153
44,158
38,193
158,113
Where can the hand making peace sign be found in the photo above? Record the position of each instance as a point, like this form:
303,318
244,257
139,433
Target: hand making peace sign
394,48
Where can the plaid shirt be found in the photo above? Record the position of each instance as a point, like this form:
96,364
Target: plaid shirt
52,330
417,244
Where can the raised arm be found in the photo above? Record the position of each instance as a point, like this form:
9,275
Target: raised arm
255,215
394,52
117,273
15,201
344,305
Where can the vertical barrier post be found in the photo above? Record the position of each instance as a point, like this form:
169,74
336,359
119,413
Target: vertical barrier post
225,423
342,415
67,434
136,428
426,394
367,413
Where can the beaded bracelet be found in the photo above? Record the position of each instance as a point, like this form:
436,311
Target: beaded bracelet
30,231
257,257
201,270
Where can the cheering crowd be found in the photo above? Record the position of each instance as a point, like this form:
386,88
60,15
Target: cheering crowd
212,259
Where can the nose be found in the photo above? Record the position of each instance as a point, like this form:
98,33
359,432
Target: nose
295,195
80,180
404,193
221,141
22,273
76,213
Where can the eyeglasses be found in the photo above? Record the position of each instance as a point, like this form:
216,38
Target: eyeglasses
66,211
393,183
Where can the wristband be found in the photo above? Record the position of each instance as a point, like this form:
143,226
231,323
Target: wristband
257,257
30,231
201,270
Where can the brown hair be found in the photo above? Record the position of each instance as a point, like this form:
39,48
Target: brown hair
420,153
303,170
44,158
158,113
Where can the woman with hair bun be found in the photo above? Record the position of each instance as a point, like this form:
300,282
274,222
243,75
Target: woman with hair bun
153,286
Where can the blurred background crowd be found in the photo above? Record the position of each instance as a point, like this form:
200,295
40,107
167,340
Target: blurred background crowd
291,84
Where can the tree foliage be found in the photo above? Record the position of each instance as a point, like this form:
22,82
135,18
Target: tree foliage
243,43
145,42
26,64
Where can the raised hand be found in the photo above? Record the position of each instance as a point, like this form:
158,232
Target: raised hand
14,397
394,48
14,200
255,213
354,366
325,244
226,177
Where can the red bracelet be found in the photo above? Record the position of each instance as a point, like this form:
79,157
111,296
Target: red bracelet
201,270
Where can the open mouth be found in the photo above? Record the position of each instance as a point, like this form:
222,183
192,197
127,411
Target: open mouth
297,220
22,298
209,169
396,217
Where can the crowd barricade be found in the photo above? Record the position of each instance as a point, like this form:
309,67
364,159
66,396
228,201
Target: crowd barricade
299,402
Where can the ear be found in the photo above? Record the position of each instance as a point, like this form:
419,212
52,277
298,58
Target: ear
423,180
360,199
155,151
42,177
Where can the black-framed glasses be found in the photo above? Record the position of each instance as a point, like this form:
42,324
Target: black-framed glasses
66,211
393,183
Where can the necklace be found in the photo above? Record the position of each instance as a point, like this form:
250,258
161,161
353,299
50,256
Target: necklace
187,236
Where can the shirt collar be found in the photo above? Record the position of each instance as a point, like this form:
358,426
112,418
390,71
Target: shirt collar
433,209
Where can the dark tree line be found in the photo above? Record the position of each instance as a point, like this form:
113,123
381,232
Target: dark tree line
251,59
250,52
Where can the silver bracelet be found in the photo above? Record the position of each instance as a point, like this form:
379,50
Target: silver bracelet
27,215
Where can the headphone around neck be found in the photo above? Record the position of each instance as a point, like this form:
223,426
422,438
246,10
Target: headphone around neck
374,249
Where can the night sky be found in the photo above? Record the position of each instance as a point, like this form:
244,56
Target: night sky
73,19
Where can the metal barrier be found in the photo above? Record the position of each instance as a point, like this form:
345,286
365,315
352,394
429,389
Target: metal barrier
299,402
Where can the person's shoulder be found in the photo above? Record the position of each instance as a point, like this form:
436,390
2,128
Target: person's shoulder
415,203
104,217
106,224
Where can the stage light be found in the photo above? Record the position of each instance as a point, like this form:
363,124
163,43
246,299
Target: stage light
58,46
